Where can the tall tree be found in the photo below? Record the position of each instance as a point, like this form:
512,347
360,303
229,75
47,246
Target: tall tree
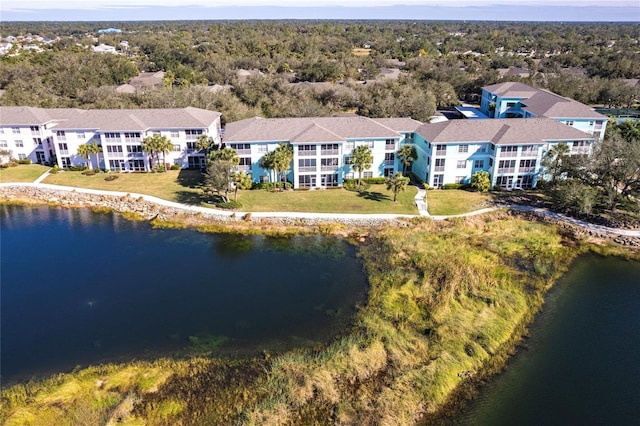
154,145
205,144
553,160
87,149
282,160
219,177
267,162
396,184
361,158
407,154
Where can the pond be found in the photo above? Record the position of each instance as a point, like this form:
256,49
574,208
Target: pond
80,288
581,363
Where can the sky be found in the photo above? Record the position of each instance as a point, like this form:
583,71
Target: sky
500,10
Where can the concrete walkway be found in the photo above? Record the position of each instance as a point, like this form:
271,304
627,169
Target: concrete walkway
419,199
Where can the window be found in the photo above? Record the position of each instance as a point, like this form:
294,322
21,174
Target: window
262,148
348,160
37,141
438,180
61,135
511,104
482,148
329,149
508,151
478,164
389,159
389,172
506,166
264,179
193,133
439,163
461,164
241,148
66,162
137,165
329,163
306,150
390,144
16,130
527,163
569,123
329,180
20,144
116,164
22,156
80,135
245,163
307,164
3,144
441,149
114,148
304,181
135,150
367,175
132,137
367,143
463,148
460,179
1,130
349,146
35,129
529,151
490,162
112,137
176,148
175,134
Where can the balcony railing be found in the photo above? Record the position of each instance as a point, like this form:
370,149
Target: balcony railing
390,147
244,167
441,152
439,168
329,168
389,162
136,154
243,151
526,170
506,170
307,168
529,154
64,152
580,150
307,153
504,154
329,152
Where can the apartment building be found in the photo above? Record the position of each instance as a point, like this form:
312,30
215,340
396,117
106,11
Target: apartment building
54,135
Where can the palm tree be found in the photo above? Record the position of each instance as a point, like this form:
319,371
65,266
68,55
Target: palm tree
154,145
397,184
553,159
267,162
242,180
85,150
362,158
282,160
407,154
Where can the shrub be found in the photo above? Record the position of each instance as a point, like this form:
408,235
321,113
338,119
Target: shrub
12,164
88,173
230,205
55,169
352,185
453,185
97,170
4,165
176,167
111,177
262,185
25,161
78,168
160,169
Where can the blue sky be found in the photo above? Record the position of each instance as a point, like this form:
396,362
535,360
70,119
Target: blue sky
503,10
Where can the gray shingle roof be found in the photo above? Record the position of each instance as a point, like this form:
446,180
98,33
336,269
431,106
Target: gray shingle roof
110,119
507,131
543,103
312,129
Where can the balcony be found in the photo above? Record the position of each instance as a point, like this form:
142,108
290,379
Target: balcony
507,154
439,168
307,153
64,152
525,170
390,147
329,152
529,154
580,150
136,154
328,168
389,162
507,170
307,169
243,151
441,152
244,167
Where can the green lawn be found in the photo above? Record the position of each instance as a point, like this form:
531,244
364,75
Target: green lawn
22,173
456,201
183,186
375,200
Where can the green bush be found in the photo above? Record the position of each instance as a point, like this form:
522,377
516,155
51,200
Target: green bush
231,205
455,186
77,168
25,161
4,165
352,185
176,167
111,177
55,169
88,173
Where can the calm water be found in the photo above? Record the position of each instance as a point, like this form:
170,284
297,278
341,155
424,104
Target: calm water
581,365
80,288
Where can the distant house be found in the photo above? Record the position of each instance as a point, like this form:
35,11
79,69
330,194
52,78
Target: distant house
147,80
103,48
109,30
514,72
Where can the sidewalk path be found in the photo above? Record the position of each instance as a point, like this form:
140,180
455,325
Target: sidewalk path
301,215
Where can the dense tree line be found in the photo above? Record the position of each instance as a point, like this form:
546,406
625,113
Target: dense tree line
442,62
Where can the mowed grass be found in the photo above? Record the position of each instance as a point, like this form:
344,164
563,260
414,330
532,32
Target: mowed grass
174,185
22,173
184,187
375,200
456,201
